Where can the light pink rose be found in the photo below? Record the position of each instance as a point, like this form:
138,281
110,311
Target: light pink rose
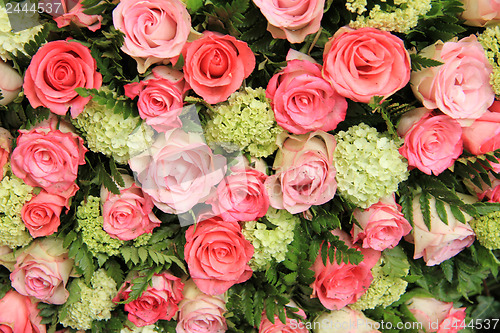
303,101
290,19
19,314
461,86
442,241
10,83
217,255
436,316
155,30
199,312
129,214
158,302
366,62
41,215
483,136
290,325
55,71
75,14
490,192
345,320
216,65
6,140
305,175
42,271
383,225
48,156
480,13
161,97
339,285
432,141
178,171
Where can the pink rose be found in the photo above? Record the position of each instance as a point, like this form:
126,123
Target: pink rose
216,65
442,241
217,255
339,285
129,214
5,149
290,19
10,83
303,101
383,225
291,325
55,71
199,312
178,171
366,62
42,271
480,13
75,14
432,141
155,30
490,192
345,320
158,301
483,136
19,314
161,97
48,156
436,316
305,175
41,214
461,86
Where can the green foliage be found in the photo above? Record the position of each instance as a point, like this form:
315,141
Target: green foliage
84,261
93,7
419,62
389,111
119,104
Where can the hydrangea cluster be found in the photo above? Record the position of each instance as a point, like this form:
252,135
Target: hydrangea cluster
368,165
245,122
487,230
90,222
131,328
490,40
270,244
14,193
95,302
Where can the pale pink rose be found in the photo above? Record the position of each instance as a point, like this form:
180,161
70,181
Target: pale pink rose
129,214
432,141
48,156
199,312
490,192
303,101
161,97
305,175
19,314
41,215
345,320
383,225
10,83
339,285
483,136
75,14
366,62
480,13
460,87
216,65
42,271
290,325
155,30
178,171
217,255
442,241
290,19
6,140
55,71
158,302
436,316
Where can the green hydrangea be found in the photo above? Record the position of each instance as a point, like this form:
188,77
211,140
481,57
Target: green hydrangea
490,40
368,165
90,222
487,230
14,193
270,243
129,327
95,302
245,122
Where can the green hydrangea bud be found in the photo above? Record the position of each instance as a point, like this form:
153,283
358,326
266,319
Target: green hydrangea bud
490,40
487,229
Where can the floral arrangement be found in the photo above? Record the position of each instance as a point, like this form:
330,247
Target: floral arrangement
249,166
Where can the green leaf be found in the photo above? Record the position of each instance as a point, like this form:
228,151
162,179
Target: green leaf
194,5
140,284
426,209
458,214
441,211
447,268
419,62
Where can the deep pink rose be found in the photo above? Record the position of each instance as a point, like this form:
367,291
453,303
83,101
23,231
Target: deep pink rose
291,325
19,314
437,316
480,13
155,30
216,65
383,225
305,175
10,83
483,136
161,97
158,301
303,101
366,62
41,215
6,140
217,255
432,141
290,19
55,71
339,285
75,14
461,86
129,214
42,271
